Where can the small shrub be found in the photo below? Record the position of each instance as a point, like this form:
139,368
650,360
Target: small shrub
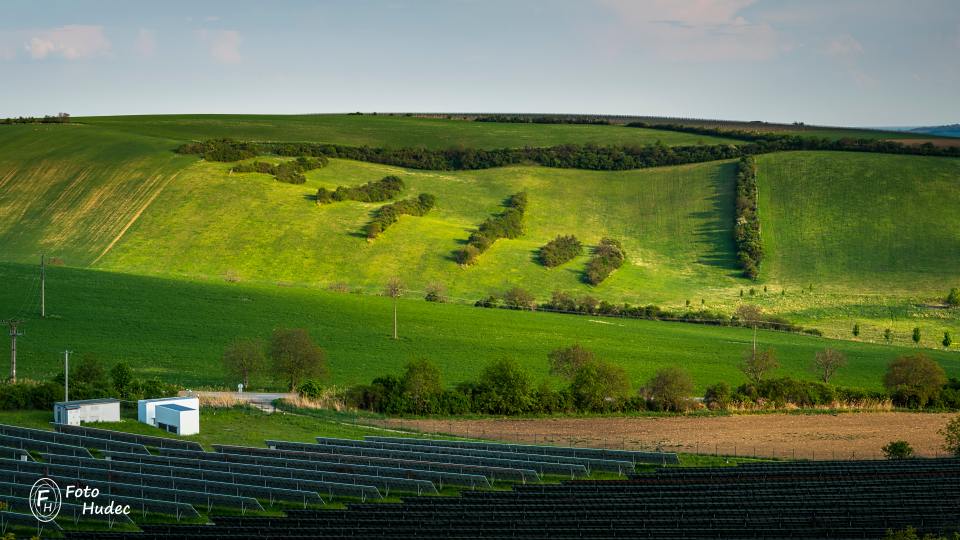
717,396
560,250
953,298
951,436
670,389
607,257
898,450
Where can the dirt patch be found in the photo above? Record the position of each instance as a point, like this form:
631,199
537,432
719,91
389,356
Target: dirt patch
945,142
815,436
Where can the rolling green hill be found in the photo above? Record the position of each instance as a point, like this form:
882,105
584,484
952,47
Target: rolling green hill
387,131
177,330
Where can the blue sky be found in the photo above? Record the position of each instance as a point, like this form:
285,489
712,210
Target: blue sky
839,62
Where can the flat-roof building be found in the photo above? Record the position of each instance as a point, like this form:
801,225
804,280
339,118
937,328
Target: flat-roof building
179,415
86,410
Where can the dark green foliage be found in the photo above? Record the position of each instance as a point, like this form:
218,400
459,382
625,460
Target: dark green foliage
540,119
600,386
503,388
953,298
856,329
717,396
560,250
947,340
565,362
221,149
509,224
290,172
916,335
670,389
421,384
782,391
607,257
60,118
913,380
746,231
29,395
389,214
310,388
296,357
898,450
379,191
519,298
123,381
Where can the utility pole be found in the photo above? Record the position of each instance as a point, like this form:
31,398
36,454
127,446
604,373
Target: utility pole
66,375
13,323
43,287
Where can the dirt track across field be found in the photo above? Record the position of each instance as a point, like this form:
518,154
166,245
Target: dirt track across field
816,436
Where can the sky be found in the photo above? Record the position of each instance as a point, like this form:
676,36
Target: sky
828,62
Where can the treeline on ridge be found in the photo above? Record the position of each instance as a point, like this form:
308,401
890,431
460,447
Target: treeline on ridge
542,119
375,191
389,214
746,231
290,172
560,250
59,118
508,224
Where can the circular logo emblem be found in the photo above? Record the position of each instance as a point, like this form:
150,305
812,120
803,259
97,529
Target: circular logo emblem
45,500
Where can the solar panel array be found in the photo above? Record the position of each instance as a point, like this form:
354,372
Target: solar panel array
145,440
777,500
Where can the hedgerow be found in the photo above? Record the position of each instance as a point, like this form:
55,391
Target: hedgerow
560,250
746,230
389,214
378,191
509,224
290,172
607,257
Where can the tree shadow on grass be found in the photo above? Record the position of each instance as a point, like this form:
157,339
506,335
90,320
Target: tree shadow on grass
715,231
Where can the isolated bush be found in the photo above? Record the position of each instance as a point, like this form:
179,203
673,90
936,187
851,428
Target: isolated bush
951,436
560,250
310,388
436,292
599,386
953,297
378,191
897,450
670,389
519,298
466,255
913,380
607,257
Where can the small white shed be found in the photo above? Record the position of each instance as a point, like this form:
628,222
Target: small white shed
180,415
178,419
86,410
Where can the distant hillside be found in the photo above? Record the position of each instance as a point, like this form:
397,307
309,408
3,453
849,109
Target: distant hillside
951,130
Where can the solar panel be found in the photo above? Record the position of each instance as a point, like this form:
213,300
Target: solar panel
69,439
146,440
43,446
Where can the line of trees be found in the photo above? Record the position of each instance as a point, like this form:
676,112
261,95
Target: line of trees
607,257
381,190
765,142
290,172
389,214
590,385
746,231
542,119
59,118
560,250
508,224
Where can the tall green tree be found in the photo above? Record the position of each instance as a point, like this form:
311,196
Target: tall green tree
916,377
565,361
296,357
244,358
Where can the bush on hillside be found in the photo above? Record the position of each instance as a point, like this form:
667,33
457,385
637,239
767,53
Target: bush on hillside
379,191
607,257
747,222
509,224
953,297
289,172
599,386
560,250
913,380
897,450
670,389
389,214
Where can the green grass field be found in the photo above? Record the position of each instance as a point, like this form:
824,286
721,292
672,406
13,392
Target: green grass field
862,221
387,131
177,330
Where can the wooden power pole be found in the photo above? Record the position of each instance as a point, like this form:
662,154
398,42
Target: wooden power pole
13,323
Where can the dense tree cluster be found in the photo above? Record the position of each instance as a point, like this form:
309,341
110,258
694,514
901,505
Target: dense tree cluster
290,172
764,142
560,250
508,224
607,257
746,231
221,149
378,191
389,214
542,119
59,118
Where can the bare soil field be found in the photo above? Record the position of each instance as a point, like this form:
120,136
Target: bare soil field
807,436
936,142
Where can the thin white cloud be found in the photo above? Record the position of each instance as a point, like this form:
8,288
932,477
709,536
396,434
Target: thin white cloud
71,42
845,46
691,30
224,45
146,42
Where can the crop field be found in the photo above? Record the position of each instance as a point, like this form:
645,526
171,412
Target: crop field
388,131
177,330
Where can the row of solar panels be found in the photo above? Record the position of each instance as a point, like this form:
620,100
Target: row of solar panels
69,439
110,435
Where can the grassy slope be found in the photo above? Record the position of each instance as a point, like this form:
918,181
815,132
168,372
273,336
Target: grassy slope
178,329
389,131
675,224
70,190
862,221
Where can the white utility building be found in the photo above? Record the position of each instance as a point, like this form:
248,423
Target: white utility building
86,410
180,415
